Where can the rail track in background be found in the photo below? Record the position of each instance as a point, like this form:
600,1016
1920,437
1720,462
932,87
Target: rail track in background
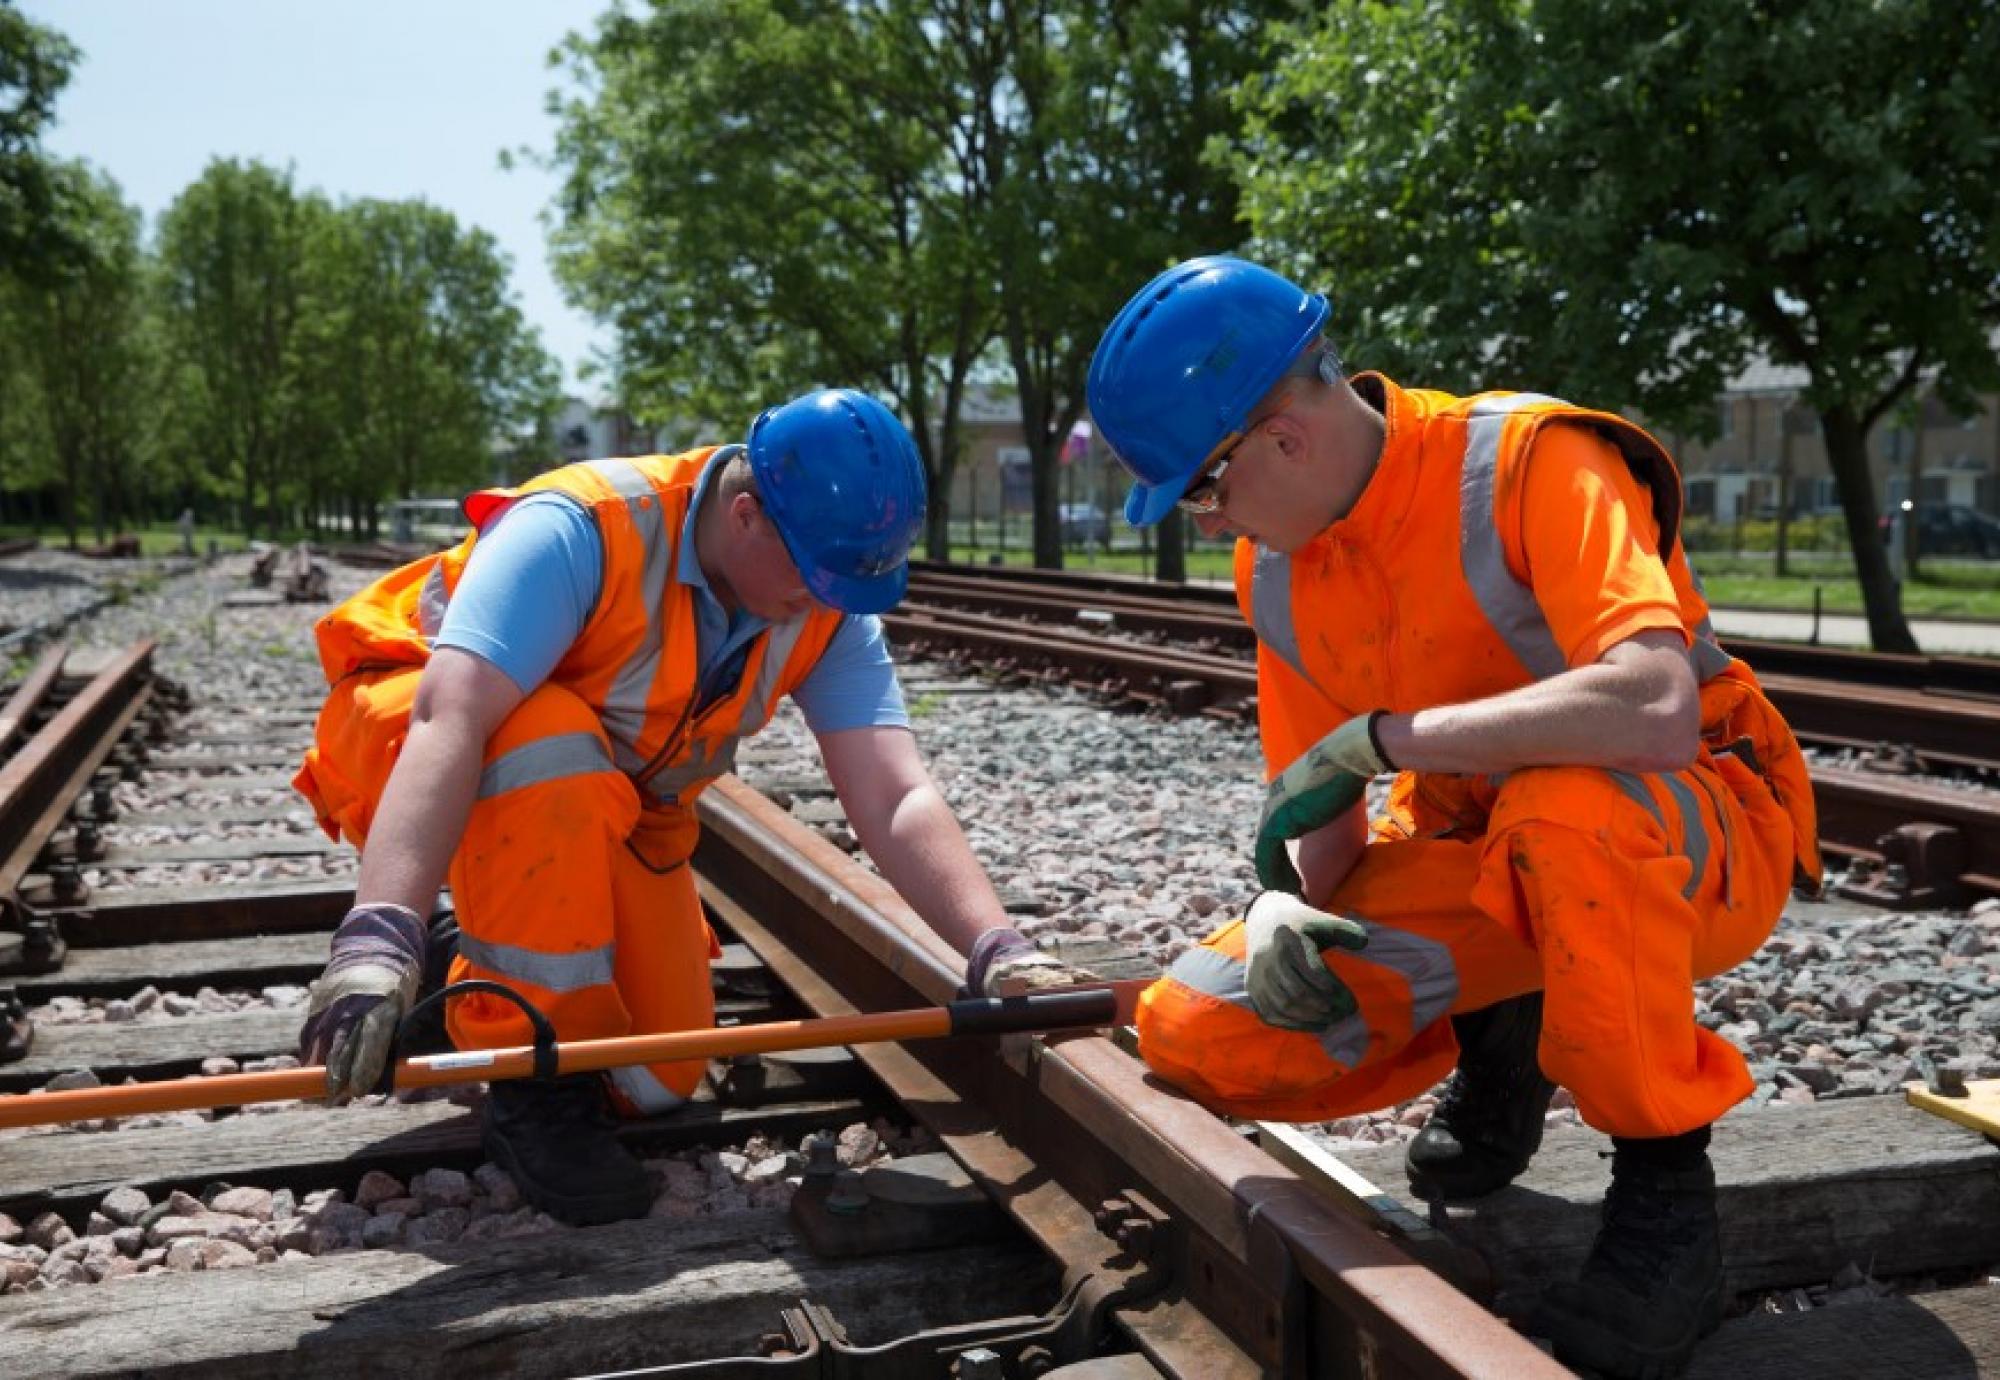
1077,1215
1908,842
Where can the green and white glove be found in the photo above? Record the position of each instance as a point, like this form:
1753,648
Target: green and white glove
1320,787
1290,988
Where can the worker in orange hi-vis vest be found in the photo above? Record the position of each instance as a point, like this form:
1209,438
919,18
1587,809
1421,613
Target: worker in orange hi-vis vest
1593,804
534,713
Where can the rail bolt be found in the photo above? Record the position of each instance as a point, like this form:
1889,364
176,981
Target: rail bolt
979,1363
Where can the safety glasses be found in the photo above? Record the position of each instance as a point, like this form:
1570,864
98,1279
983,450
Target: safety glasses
1201,497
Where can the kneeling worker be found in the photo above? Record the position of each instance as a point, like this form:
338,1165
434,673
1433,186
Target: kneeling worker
1594,805
536,711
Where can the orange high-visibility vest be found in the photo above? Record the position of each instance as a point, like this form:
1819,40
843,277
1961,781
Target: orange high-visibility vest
1445,619
634,663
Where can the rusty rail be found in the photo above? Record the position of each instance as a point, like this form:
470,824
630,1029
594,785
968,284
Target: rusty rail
1212,1257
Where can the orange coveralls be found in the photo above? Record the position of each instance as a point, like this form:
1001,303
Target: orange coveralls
1505,538
570,881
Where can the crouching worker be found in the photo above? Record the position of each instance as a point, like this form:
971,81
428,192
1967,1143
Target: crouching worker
536,711
1594,806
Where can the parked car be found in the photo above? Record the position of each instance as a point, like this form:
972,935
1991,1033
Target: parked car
1084,524
1951,529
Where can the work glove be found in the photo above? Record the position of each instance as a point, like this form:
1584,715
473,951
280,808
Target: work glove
1290,987
1000,955
362,996
1320,787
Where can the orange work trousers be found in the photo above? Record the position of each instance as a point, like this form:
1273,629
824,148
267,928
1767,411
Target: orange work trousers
566,890
1613,892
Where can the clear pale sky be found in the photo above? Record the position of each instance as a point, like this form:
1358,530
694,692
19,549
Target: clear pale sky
363,98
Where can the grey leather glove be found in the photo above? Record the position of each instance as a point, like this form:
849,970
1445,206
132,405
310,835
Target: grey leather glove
1001,955
1290,988
362,996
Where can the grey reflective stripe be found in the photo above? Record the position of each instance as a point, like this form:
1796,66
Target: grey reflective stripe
1636,789
1695,843
648,1093
1213,973
1346,1040
1694,834
710,758
568,972
431,602
1426,965
1508,604
1709,660
1271,606
545,759
706,760
624,709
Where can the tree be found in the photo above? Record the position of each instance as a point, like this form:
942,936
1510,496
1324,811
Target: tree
35,65
231,248
1098,184
410,360
763,195
1625,200
78,337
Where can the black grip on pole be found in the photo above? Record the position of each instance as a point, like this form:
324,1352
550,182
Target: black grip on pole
1089,1006
545,1033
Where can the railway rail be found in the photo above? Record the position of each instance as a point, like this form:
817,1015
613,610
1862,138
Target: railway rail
1070,1217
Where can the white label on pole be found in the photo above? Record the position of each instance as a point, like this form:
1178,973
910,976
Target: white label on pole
464,1059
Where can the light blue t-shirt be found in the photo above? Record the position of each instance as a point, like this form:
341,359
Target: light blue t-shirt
533,580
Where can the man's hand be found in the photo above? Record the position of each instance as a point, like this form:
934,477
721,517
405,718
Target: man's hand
1290,987
362,996
999,956
1324,784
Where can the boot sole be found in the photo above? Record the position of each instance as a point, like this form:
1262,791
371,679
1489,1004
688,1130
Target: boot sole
578,1210
1587,1344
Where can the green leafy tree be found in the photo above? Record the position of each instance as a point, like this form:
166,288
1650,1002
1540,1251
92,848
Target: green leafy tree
78,339
35,64
1099,184
764,195
231,276
1626,200
411,360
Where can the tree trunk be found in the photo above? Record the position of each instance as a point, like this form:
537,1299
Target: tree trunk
1172,566
1847,456
1784,486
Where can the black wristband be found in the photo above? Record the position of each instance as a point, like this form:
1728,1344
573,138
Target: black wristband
1375,740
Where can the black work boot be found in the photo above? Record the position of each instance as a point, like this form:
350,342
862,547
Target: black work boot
1488,1123
556,1139
1652,1287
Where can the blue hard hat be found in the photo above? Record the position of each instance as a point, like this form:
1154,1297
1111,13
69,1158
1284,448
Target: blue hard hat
1182,364
842,481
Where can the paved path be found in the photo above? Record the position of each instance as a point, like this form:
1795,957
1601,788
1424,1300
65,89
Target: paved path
1850,630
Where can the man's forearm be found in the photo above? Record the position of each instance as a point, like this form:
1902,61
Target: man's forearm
421,817
1627,714
924,854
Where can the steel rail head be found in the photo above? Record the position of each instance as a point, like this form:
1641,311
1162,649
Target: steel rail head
1249,1220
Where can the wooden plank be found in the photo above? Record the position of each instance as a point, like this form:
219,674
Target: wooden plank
267,781
126,856
1979,1109
632,1294
256,961
146,915
168,1047
1950,1335
271,759
164,1047
1803,1191
332,1147
292,809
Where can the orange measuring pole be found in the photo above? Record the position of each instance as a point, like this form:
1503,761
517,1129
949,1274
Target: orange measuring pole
1084,1007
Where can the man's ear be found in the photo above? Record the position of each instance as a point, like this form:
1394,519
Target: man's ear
743,512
